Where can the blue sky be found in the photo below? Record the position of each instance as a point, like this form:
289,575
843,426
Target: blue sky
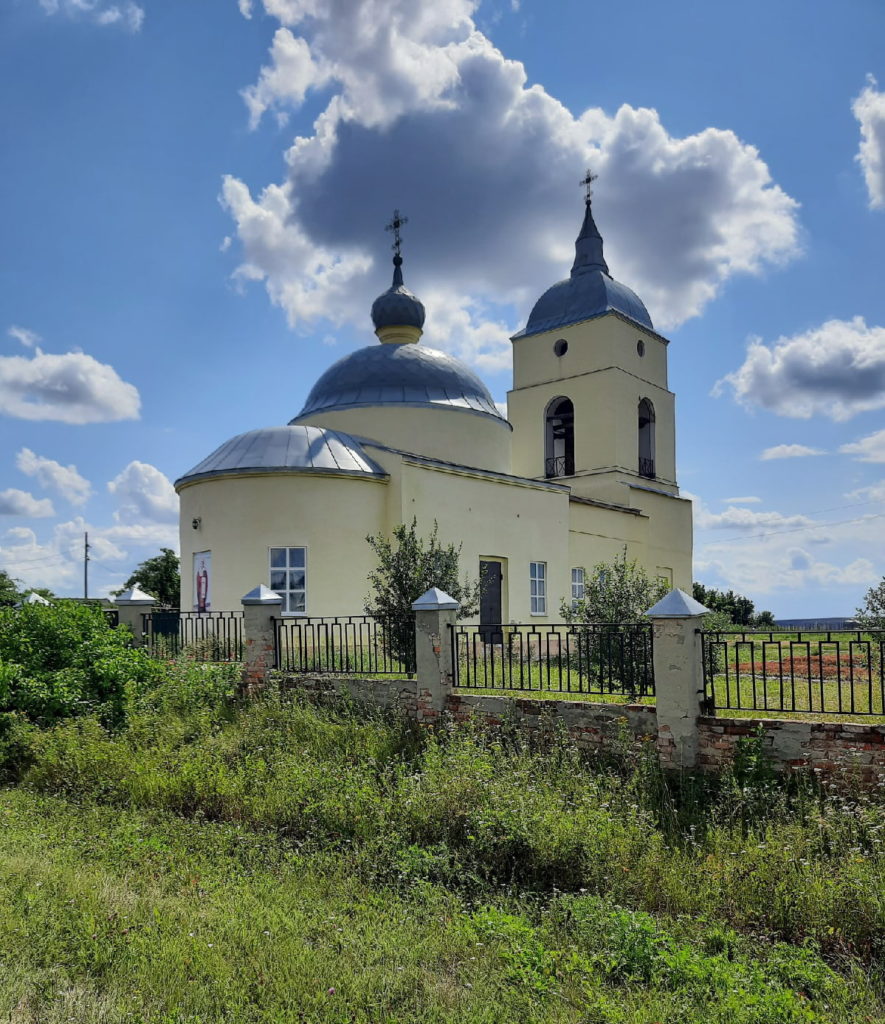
193,204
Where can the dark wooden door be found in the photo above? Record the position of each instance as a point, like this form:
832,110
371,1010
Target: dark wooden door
490,602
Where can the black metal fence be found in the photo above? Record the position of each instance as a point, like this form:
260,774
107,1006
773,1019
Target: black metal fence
605,659
830,672
201,636
344,644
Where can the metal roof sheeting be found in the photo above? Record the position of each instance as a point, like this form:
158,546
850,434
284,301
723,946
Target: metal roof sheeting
583,297
287,449
398,375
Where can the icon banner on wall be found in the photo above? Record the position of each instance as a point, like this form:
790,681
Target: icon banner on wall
202,581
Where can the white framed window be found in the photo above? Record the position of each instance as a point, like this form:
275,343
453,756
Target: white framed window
577,586
288,577
538,587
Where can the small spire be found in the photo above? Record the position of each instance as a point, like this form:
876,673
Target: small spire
588,246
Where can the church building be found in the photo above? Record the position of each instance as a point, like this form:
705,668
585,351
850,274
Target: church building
583,466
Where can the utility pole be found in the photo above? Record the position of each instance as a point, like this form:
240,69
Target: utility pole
85,566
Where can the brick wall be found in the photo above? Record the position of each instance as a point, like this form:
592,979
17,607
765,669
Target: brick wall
826,746
589,726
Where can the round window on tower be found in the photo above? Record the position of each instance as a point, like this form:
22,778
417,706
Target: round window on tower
640,347
560,347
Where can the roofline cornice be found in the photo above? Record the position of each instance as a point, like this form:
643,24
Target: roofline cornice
355,474
598,316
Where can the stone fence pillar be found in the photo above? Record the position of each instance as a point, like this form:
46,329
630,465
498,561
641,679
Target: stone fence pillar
132,604
434,612
679,676
260,607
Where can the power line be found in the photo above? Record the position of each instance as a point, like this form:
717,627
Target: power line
798,529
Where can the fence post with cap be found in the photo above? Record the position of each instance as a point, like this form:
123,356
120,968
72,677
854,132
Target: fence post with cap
677,620
261,607
132,605
435,611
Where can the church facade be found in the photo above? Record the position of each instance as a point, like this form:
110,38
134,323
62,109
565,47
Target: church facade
583,466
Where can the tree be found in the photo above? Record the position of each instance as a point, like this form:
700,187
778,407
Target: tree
871,614
9,594
608,646
740,610
158,576
618,591
408,566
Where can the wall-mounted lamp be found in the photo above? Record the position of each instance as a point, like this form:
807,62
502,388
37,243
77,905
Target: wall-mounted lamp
196,522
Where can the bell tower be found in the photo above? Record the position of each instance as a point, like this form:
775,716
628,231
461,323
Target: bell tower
590,406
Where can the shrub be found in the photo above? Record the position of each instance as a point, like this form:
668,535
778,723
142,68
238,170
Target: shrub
65,660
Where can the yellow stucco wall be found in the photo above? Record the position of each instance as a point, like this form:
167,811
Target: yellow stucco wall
658,538
455,435
605,378
592,345
242,517
492,520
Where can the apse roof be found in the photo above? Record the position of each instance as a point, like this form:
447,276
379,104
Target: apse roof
408,374
293,449
588,292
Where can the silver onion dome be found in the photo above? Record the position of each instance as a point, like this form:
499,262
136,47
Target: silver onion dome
397,307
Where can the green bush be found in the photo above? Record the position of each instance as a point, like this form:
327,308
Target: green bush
65,660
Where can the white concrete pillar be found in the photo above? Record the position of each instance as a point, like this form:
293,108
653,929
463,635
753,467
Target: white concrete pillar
434,612
132,604
260,607
679,676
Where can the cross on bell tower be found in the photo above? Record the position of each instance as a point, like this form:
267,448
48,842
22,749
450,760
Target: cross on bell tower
587,182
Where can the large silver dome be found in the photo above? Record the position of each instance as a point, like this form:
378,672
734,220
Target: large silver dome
291,449
407,374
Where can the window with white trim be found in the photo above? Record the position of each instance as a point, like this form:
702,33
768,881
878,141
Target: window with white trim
538,585
288,577
577,586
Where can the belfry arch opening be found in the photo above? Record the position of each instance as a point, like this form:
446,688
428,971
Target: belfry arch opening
646,439
559,433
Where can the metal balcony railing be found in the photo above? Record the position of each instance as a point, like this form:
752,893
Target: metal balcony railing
559,465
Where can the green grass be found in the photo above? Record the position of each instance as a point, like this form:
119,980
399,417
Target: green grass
217,861
120,916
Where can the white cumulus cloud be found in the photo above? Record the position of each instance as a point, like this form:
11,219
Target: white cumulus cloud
867,449
750,499
734,517
127,15
869,109
835,370
145,495
427,115
54,476
21,503
69,388
790,451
